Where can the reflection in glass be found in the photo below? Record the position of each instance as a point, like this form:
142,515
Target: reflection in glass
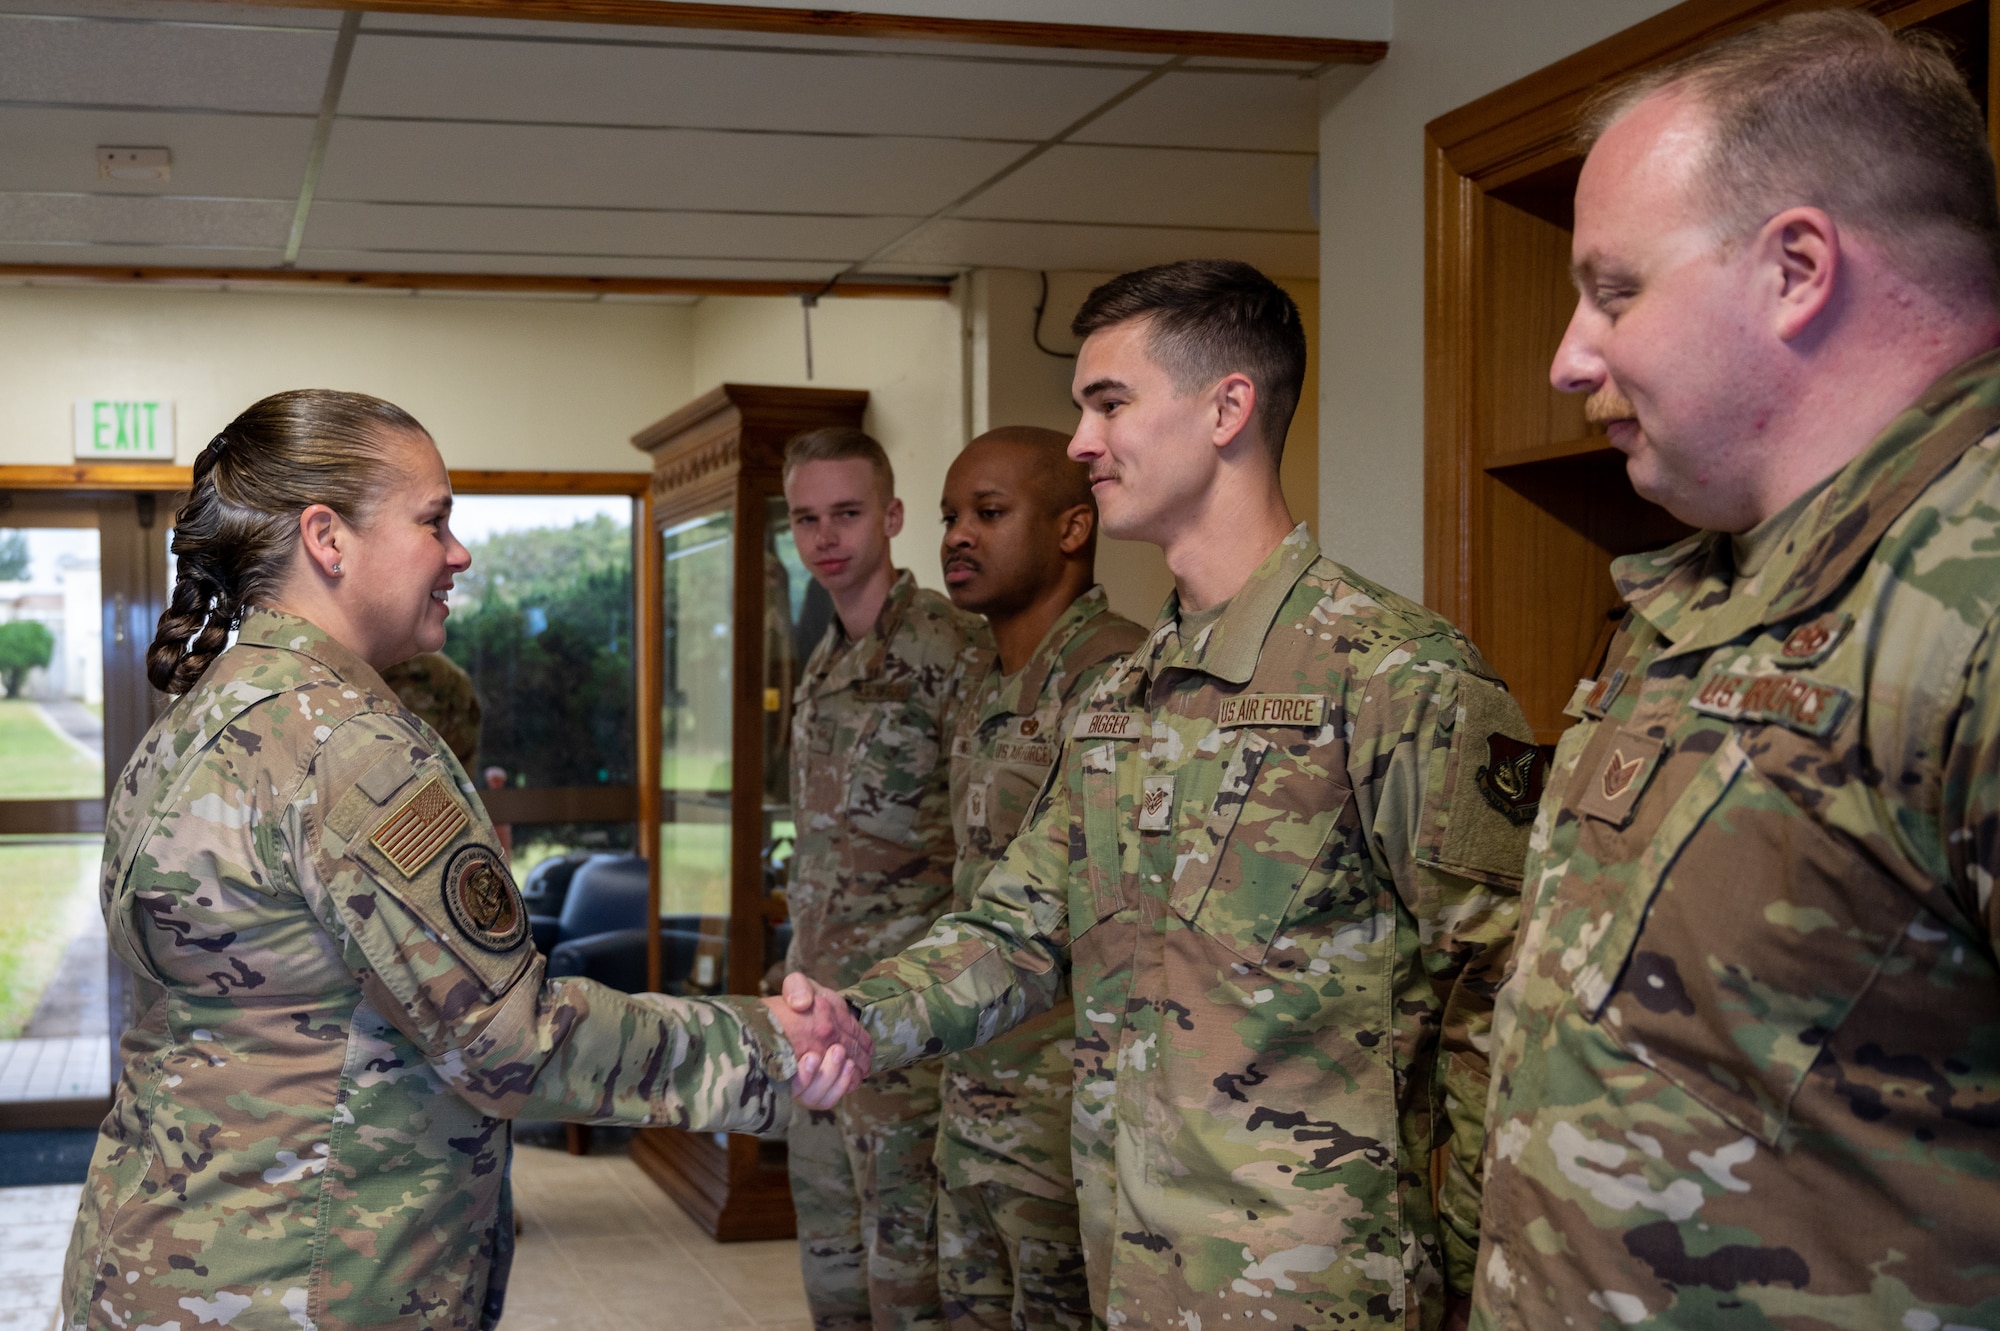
542,621
695,715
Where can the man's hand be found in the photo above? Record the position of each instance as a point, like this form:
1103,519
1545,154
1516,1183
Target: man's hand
834,1053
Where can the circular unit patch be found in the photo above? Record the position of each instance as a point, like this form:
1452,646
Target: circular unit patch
481,898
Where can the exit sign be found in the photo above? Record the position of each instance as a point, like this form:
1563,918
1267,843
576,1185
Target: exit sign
117,429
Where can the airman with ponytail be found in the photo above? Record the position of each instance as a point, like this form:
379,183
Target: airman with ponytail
341,1002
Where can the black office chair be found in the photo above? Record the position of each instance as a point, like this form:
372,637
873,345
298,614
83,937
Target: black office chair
603,915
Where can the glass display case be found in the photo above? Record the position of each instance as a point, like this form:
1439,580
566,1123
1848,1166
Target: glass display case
735,617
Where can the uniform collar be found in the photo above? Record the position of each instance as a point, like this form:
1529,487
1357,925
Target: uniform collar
1675,589
1228,649
864,658
289,633
1020,692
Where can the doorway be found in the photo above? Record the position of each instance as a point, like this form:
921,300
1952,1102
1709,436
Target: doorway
83,578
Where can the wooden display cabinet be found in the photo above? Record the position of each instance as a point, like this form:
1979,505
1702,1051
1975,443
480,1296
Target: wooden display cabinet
1525,506
734,615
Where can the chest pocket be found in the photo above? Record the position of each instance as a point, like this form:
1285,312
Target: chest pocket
1251,865
1748,934
894,766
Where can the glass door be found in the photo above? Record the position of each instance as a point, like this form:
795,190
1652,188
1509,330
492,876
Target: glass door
82,578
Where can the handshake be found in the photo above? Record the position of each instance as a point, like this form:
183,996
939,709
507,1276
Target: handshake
834,1053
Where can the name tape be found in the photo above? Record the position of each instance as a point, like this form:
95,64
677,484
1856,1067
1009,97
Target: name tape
1274,709
1109,725
1794,701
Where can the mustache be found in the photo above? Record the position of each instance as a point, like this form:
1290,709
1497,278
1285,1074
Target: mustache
1606,405
961,561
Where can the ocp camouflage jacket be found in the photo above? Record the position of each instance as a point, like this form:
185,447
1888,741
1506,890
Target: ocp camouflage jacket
1279,874
870,791
1748,1066
341,1005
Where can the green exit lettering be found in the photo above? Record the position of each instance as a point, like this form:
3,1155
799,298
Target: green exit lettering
124,428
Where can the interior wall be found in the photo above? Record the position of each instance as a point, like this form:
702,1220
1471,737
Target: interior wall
1017,382
516,384
908,354
1371,426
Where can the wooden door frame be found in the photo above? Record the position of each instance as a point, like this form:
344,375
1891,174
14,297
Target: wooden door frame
1501,139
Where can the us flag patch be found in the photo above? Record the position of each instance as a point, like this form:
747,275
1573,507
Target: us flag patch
420,827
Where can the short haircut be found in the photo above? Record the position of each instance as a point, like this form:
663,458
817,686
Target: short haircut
1832,110
1209,318
841,443
1061,483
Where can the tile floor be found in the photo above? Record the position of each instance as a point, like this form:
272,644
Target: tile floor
602,1249
34,1233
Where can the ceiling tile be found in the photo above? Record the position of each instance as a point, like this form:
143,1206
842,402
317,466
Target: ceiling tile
668,35
375,226
193,11
233,156
1158,186
575,83
1253,111
950,243
566,266
140,256
395,161
112,219
83,61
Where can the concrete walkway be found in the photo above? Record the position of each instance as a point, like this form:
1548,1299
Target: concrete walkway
75,723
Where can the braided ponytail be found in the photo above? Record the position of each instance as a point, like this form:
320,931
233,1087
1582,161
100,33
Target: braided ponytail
235,538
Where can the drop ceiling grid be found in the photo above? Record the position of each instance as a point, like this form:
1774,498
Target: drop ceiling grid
460,149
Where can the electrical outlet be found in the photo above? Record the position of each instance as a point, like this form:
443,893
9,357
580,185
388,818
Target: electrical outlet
135,165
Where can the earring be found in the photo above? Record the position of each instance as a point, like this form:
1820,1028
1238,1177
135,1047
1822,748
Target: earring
336,568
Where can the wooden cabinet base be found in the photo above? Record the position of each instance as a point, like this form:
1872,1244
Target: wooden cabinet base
736,1188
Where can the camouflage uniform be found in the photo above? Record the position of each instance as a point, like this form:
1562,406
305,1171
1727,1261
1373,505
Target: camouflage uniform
437,691
1009,1254
1278,866
1748,1063
340,1005
871,872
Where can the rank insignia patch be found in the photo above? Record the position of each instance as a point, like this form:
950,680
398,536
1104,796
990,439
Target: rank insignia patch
420,827
482,901
1156,805
1512,779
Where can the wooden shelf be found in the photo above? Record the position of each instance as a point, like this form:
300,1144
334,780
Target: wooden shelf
1590,446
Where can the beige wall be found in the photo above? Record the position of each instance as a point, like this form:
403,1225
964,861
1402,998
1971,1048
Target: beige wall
1014,382
906,353
519,384
1371,426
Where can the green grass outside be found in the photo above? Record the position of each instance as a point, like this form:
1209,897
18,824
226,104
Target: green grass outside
45,890
40,764
96,709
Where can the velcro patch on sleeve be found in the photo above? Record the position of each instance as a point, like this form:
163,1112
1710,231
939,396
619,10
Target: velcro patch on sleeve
1493,786
1274,709
1109,725
480,897
420,827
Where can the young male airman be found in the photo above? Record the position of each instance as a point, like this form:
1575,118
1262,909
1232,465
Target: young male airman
871,872
1278,866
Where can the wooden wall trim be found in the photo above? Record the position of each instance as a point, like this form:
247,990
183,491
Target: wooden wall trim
476,482
525,283
96,476
904,27
160,477
1529,124
1451,205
